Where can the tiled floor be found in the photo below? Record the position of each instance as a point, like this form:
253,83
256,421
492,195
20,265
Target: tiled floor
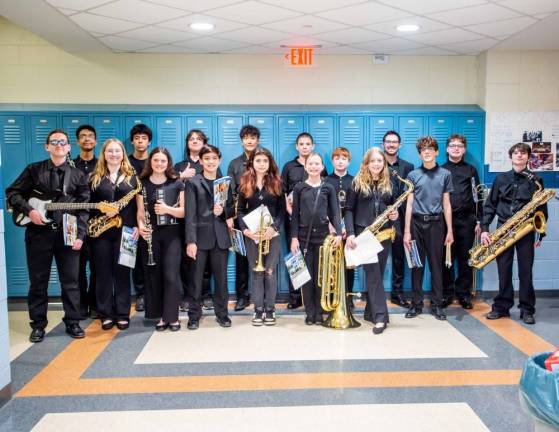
421,374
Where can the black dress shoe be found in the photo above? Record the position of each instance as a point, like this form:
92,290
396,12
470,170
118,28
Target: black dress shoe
466,303
399,300
493,315
294,304
75,331
140,304
161,327
242,303
93,314
528,318
414,311
37,335
447,301
107,324
175,327
223,322
193,324
379,330
309,320
438,312
122,325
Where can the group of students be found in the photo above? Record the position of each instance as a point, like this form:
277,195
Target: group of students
177,257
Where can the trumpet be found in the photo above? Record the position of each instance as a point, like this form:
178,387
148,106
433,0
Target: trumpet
151,261
263,244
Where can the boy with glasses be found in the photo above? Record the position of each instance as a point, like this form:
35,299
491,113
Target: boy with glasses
428,209
54,179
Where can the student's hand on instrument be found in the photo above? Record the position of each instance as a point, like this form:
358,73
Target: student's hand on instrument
248,233
135,233
294,245
477,229
449,238
161,208
350,242
344,233
229,223
218,209
191,250
145,233
77,244
485,240
270,232
331,229
337,241
36,217
188,172
537,244
393,215
407,241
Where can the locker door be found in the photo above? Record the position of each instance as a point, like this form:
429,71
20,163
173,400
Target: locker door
70,123
440,128
169,134
378,126
40,128
322,130
266,126
288,129
107,126
228,128
14,158
129,122
203,123
410,128
352,136
473,129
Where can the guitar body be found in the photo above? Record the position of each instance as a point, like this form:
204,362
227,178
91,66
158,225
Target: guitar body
20,219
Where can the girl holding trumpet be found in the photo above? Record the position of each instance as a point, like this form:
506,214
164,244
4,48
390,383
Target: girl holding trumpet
261,185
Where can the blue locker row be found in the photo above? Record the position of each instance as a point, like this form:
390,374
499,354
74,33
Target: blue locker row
22,137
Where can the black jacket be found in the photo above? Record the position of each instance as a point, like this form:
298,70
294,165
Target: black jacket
37,178
182,165
275,204
402,168
362,210
327,211
201,225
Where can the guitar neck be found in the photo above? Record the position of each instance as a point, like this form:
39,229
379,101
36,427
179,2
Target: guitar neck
71,206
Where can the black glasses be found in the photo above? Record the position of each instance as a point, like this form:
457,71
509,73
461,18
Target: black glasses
56,142
391,142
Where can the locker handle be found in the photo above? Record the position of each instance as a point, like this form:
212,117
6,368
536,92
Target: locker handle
75,121
106,121
411,121
230,121
351,121
11,120
260,121
199,121
168,121
291,121
469,121
440,121
321,122
381,122
137,121
43,121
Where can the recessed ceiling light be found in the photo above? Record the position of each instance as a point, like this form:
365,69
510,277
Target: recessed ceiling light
202,26
406,28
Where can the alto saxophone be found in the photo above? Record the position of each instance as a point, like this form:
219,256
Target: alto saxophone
526,220
147,223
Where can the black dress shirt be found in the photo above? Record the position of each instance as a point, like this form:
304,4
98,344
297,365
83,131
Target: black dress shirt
326,211
85,166
235,170
294,172
362,210
340,184
275,204
509,193
465,180
137,164
61,184
402,168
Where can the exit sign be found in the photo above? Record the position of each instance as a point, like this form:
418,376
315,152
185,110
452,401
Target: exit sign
299,57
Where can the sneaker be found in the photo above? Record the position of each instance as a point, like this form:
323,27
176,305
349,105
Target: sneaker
270,318
207,304
258,318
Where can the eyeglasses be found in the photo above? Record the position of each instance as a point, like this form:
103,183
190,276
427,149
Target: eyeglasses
391,142
61,142
456,145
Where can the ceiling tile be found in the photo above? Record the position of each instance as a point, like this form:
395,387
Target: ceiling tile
166,49
195,5
311,6
389,27
68,12
258,49
343,49
363,14
426,51
542,15
79,5
254,35
471,46
301,41
389,45
444,36
532,7
157,35
138,11
475,15
501,28
424,7
351,35
220,25
252,12
124,44
305,25
101,24
210,44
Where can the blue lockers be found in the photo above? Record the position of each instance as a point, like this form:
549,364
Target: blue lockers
23,134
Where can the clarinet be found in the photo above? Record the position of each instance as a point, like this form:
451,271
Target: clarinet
147,222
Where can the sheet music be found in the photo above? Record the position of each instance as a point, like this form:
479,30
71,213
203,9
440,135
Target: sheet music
366,251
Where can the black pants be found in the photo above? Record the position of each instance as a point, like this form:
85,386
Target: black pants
294,295
525,258
241,273
218,261
88,301
458,281
112,280
163,284
312,293
398,258
376,309
138,277
41,245
429,237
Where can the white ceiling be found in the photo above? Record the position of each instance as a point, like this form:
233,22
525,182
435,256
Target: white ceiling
448,27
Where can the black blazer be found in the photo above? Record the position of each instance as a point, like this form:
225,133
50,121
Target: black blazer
361,210
201,225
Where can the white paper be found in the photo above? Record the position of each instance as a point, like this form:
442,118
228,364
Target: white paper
366,251
252,219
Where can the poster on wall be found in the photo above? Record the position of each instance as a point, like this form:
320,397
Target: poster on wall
540,130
